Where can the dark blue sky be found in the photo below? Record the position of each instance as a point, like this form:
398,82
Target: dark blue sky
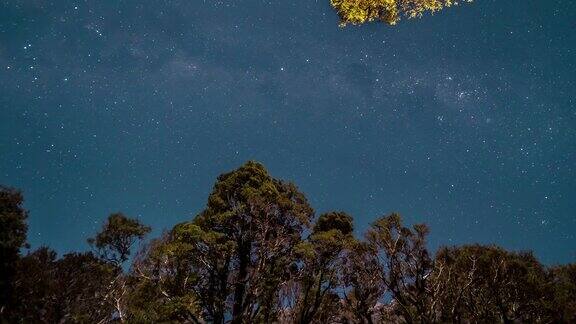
465,120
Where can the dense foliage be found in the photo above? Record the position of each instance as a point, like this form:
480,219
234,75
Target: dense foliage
389,11
12,237
257,254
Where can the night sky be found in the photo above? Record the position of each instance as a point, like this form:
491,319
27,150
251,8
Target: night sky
465,120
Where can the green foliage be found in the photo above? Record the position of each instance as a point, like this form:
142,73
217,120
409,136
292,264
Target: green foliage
513,287
334,220
405,266
261,220
159,287
361,283
320,259
253,256
117,237
235,254
361,11
389,11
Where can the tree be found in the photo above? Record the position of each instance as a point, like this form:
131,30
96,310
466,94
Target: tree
83,285
70,289
118,235
261,219
405,266
320,258
252,255
34,287
79,287
362,283
236,254
13,230
489,284
361,11
163,285
564,285
113,244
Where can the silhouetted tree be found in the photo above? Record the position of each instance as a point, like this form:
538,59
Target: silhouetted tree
68,290
12,238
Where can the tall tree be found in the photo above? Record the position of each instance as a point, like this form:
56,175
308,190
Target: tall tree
362,283
113,245
13,230
405,266
320,258
237,253
262,219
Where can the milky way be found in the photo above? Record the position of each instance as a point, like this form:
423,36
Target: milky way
465,121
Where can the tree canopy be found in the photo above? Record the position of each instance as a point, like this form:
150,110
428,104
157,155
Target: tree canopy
257,254
118,235
13,229
357,12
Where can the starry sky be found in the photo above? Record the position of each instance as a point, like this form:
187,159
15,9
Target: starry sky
465,121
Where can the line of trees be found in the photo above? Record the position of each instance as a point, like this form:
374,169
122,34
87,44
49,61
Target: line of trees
258,254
